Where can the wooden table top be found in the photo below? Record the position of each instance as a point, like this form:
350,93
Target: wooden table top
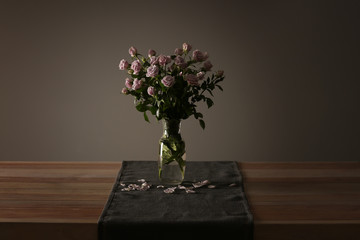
294,200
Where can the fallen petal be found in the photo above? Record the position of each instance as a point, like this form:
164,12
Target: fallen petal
205,182
145,186
197,185
170,190
190,191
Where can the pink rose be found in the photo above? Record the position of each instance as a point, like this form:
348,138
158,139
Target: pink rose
124,91
154,60
219,73
136,66
186,47
128,83
151,91
152,71
132,51
200,75
180,61
168,81
197,56
168,59
179,51
123,64
151,52
207,65
171,68
163,60
206,56
192,80
137,84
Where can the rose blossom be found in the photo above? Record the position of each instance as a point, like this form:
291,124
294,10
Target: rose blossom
186,47
192,80
137,84
200,75
163,60
197,56
152,71
132,51
168,81
151,52
180,61
168,59
125,91
151,91
128,83
219,73
207,65
206,56
154,60
136,66
123,64
178,51
171,68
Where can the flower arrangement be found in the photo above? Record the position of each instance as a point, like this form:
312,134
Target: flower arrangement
169,87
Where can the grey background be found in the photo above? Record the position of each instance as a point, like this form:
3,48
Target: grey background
291,87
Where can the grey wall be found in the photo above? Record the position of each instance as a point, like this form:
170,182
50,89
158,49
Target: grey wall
291,87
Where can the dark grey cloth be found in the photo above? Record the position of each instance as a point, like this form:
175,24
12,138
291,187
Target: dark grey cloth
222,212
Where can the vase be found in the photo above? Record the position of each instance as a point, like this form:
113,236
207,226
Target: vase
172,156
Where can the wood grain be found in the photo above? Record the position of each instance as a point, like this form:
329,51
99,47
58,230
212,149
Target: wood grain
53,200
304,200
294,200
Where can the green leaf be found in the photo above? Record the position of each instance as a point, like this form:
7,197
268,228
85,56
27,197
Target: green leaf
220,87
146,117
219,80
158,117
209,102
198,115
153,110
202,123
141,107
145,64
182,164
203,85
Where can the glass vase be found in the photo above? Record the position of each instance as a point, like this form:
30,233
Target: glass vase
172,156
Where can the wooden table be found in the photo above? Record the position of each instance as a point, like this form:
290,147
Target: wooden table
308,201
63,200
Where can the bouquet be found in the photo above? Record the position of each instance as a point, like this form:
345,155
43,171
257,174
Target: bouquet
170,87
